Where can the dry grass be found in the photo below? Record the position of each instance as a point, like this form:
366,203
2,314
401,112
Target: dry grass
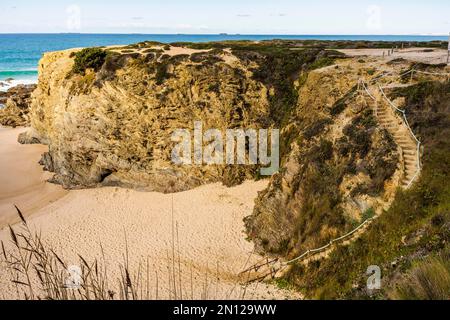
428,280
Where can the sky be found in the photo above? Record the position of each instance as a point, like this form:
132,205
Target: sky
397,17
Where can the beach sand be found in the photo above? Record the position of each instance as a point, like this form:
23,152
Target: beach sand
22,180
204,225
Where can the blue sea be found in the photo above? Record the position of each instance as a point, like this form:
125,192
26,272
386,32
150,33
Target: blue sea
20,53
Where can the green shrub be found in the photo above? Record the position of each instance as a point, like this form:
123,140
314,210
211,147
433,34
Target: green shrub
317,127
113,62
358,133
322,63
371,72
368,214
214,87
89,58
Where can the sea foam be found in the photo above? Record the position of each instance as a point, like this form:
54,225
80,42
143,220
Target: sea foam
6,85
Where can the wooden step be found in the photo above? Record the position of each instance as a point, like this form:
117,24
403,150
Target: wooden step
410,173
410,164
390,126
410,152
406,181
411,161
407,147
405,141
410,157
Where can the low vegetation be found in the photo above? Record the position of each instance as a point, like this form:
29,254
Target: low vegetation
322,44
404,240
89,58
428,279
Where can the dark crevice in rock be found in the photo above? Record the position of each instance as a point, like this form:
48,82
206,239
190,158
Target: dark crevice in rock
47,162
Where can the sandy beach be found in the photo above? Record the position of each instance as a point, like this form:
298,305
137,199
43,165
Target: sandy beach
207,224
22,180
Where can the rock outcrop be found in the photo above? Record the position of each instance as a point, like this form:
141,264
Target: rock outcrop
111,124
17,102
114,127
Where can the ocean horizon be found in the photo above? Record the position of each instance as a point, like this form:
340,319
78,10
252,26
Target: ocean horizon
20,52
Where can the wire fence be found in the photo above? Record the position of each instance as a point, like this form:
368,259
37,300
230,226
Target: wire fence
331,243
405,121
275,266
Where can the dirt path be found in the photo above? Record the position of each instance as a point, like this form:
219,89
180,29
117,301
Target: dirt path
425,55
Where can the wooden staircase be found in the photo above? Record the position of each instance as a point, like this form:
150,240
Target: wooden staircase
393,123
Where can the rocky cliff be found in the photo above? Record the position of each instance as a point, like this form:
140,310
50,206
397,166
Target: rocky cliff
114,126
108,115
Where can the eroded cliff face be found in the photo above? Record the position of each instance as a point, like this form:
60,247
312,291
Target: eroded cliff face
115,126
342,166
16,103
